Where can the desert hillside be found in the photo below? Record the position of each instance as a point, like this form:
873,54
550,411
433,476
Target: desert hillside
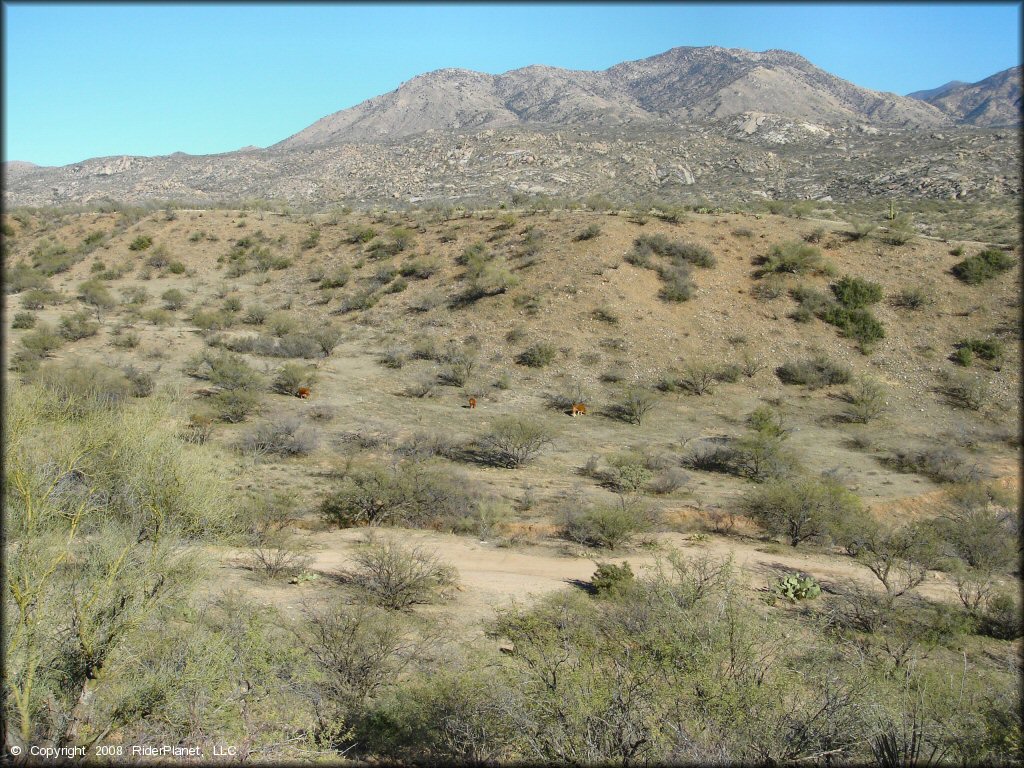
327,391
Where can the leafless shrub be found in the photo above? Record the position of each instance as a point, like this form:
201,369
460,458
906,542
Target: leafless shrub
397,578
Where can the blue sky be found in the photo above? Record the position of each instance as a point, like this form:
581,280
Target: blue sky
85,80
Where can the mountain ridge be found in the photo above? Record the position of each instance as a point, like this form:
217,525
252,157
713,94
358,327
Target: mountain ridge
682,84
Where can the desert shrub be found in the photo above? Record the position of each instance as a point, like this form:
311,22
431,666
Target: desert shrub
1002,618
611,580
813,373
678,286
327,336
629,472
916,297
962,356
134,295
22,277
256,314
42,341
943,464
238,383
769,288
854,292
759,455
606,314
280,437
858,324
865,400
795,258
78,325
800,510
212,319
698,379
338,278
158,316
677,252
985,265
140,243
750,365
173,299
898,556
278,555
394,358
860,228
96,294
23,320
176,268
362,234
52,258
40,298
964,391
634,405
310,240
513,441
459,364
291,377
397,578
141,384
232,304
588,233
537,355
900,231
281,323
991,350
360,300
411,493
610,526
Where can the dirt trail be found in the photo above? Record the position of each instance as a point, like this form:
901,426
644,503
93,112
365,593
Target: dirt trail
492,577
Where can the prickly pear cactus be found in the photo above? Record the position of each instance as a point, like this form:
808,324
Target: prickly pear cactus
798,586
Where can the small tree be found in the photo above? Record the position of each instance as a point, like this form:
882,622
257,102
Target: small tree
803,510
514,441
899,557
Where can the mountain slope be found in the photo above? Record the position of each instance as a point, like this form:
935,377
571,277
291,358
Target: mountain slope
683,84
994,101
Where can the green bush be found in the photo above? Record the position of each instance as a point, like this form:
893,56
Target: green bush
802,510
813,373
338,278
588,233
677,283
610,580
408,494
52,258
796,258
140,243
23,320
991,350
96,294
513,441
914,298
857,324
42,341
607,526
39,298
291,377
537,355
22,277
173,299
854,292
78,325
986,265
963,356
